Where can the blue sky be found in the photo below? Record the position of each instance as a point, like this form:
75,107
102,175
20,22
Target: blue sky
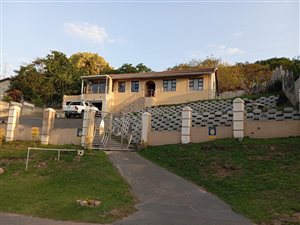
158,34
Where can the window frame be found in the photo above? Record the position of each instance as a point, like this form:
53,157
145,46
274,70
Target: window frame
119,82
138,86
169,85
198,86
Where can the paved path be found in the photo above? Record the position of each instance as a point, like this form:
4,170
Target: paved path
167,199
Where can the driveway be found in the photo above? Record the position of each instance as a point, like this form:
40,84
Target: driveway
166,199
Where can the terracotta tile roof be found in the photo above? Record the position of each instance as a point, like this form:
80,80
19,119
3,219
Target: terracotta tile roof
177,73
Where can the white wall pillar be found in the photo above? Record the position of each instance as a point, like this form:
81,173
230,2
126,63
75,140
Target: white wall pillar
238,118
85,127
88,128
48,123
13,120
146,128
186,125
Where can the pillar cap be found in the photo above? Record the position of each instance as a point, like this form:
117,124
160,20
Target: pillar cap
238,100
187,108
50,109
146,114
15,107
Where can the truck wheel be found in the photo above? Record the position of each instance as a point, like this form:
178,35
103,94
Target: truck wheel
67,115
82,114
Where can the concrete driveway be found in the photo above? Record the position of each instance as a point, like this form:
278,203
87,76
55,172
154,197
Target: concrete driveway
167,199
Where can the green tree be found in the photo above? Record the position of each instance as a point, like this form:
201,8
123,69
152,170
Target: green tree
141,68
62,74
91,63
286,63
129,68
30,81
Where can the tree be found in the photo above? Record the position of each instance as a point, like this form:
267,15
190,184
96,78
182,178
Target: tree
230,78
286,63
141,68
197,63
91,63
129,68
254,74
30,81
46,80
63,74
14,95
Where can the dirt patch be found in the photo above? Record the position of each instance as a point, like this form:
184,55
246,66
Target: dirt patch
117,213
41,164
285,220
8,161
224,168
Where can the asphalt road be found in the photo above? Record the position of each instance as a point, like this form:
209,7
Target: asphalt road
58,122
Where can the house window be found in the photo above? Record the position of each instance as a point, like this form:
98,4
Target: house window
196,84
169,85
134,86
121,86
98,86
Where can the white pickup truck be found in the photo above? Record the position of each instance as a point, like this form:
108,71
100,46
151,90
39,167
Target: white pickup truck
77,108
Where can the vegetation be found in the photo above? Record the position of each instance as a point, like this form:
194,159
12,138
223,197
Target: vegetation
286,63
50,189
129,68
259,178
242,76
45,80
91,63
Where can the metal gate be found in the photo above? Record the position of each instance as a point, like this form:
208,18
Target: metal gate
113,131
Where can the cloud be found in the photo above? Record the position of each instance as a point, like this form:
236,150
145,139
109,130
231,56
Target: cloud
237,34
222,50
86,31
234,51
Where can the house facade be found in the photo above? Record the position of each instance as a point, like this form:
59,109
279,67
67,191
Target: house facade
114,92
4,86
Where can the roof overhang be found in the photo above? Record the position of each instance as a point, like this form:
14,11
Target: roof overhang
154,75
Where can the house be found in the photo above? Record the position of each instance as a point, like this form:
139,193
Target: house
115,92
4,86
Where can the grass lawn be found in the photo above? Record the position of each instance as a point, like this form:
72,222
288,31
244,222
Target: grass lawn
50,188
258,178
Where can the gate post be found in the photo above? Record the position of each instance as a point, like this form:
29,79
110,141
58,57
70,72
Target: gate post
186,125
146,128
48,122
238,118
13,120
87,128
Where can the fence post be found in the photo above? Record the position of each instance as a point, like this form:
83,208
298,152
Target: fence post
13,120
238,118
186,125
88,128
85,127
48,123
146,128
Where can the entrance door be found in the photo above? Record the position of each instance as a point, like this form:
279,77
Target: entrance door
150,89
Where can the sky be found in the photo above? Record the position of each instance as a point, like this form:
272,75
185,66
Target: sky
159,34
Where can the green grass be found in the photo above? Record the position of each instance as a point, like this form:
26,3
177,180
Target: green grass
259,178
50,189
